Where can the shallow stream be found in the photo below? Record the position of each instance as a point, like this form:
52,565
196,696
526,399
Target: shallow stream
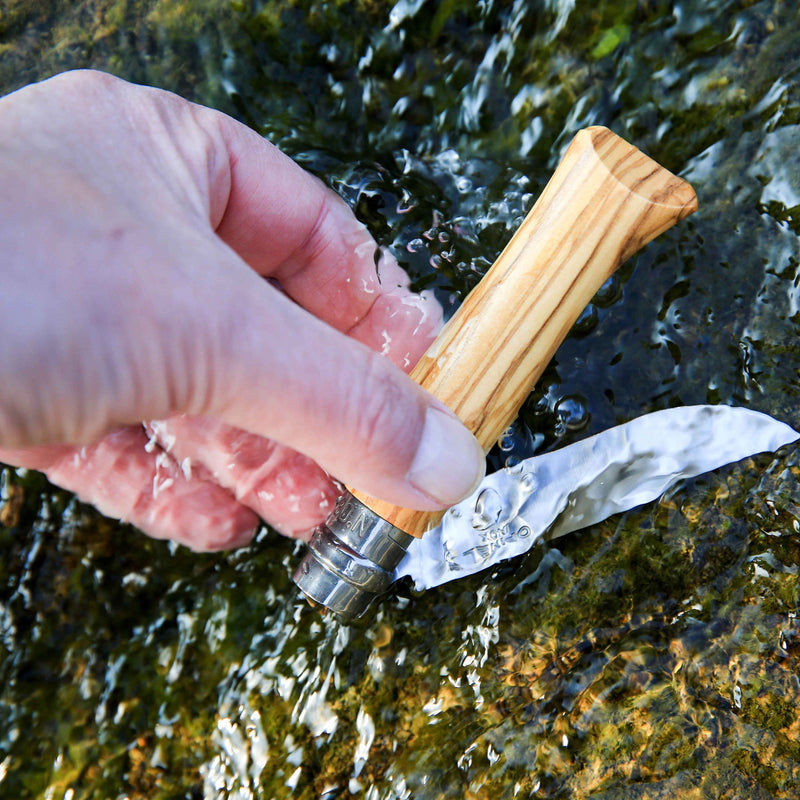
656,655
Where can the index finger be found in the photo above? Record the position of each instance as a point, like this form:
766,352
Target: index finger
288,225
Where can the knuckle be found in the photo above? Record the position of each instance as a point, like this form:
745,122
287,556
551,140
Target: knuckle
89,81
317,238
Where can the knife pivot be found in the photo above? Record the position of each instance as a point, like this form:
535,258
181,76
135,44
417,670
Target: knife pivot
351,559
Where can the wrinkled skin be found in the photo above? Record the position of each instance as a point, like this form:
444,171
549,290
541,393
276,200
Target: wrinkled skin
138,232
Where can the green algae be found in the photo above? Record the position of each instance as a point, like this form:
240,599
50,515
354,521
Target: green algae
175,45
652,656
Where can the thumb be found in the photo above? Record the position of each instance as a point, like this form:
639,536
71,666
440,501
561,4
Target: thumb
288,376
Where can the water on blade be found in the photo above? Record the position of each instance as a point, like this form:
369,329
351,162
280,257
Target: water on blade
488,508
585,483
652,655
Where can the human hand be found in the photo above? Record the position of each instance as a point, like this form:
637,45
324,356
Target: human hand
161,261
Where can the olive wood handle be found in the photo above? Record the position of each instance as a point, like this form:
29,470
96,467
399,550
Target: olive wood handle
605,200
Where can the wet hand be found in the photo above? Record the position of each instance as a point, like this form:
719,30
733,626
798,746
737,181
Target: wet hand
163,262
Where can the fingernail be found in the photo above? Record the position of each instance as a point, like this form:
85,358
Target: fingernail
449,463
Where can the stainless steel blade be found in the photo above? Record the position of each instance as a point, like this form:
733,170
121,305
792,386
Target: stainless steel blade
585,483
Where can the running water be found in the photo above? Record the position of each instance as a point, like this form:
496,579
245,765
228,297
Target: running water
651,655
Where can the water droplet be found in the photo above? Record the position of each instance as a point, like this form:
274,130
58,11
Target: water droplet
405,206
488,507
415,245
463,184
587,321
542,406
512,463
506,441
527,482
609,292
571,412
444,237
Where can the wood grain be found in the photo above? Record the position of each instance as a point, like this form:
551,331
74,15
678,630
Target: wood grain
604,202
